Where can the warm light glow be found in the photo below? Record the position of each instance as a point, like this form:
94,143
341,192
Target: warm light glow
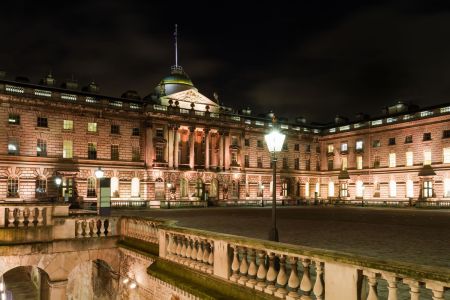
392,188
99,173
331,189
359,188
409,159
133,285
125,281
58,180
135,187
427,158
274,140
409,188
392,160
307,189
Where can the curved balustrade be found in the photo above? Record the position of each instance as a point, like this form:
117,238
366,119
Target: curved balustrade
141,229
95,227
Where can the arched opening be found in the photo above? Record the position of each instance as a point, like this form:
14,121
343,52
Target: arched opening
213,188
24,282
92,280
184,188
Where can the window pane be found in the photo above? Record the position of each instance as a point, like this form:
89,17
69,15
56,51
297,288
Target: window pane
68,124
67,149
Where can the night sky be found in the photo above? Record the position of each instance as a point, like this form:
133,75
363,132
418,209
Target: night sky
315,59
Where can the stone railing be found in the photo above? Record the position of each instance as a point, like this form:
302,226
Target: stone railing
96,226
30,214
142,229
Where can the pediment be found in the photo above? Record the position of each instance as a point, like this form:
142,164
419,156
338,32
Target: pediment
185,98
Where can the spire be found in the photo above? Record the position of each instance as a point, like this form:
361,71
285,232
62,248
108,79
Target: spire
176,45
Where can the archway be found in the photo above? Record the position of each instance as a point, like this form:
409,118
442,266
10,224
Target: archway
213,189
24,282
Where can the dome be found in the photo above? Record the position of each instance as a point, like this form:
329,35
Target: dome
176,82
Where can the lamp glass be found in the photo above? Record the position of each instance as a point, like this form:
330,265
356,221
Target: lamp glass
274,140
99,173
58,180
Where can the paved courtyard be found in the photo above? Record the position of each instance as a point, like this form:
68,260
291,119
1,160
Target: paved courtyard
410,235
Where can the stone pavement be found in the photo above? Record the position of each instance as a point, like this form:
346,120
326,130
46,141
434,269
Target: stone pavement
409,235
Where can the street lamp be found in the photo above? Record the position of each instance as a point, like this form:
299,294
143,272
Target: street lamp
58,181
274,141
169,188
99,175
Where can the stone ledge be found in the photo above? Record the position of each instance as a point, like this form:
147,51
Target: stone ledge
145,248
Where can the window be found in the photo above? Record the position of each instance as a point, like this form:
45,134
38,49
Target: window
308,165
376,162
68,124
391,141
247,142
446,134
259,162
344,163
330,189
359,162
392,188
160,132
285,163
408,139
427,136
359,145
41,148
308,149
41,187
13,146
234,161
285,146
259,144
284,188
330,148
392,160
427,157
114,152
92,151
115,129
359,189
376,144
14,119
409,188
234,141
343,191
92,127
317,189
447,155
427,189
306,189
136,131
246,161
91,183
159,153
135,187
13,187
135,154
297,164
296,147
447,187
42,122
330,165
376,192
67,149
409,159
115,187
344,147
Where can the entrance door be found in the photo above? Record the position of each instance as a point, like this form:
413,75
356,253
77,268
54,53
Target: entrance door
67,189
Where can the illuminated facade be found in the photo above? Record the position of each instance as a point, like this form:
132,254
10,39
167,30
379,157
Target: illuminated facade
177,144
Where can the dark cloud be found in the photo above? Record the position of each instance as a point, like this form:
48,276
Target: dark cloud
315,60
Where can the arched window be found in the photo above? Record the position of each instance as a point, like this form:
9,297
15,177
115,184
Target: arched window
213,188
359,189
392,188
115,187
199,188
135,187
41,187
409,188
183,188
13,187
91,187
330,189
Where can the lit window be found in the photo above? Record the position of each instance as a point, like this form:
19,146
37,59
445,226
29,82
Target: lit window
68,124
409,188
344,147
427,157
428,189
317,189
392,188
392,160
13,187
13,146
67,149
41,187
41,148
359,189
409,159
330,148
331,189
344,163
447,155
306,189
92,127
447,187
14,119
344,189
135,187
91,183
359,145
115,187
359,162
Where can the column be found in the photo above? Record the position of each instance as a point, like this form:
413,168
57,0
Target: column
57,289
221,147
166,148
176,147
241,151
170,145
206,148
191,147
227,151
149,144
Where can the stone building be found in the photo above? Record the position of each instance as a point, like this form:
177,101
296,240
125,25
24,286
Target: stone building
177,144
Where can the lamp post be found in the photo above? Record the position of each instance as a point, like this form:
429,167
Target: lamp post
169,187
58,181
274,141
99,175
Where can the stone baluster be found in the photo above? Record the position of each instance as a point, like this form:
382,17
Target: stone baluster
193,262
21,216
26,216
188,251
294,280
306,284
200,254
414,288
281,278
169,246
183,247
174,246
271,275
392,286
84,228
32,216
91,228
205,253
102,227
437,290
211,258
11,217
243,267
318,285
252,269
262,271
235,265
372,281
79,230
40,216
179,247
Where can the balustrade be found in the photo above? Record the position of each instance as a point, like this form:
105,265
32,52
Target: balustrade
24,216
145,230
95,227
